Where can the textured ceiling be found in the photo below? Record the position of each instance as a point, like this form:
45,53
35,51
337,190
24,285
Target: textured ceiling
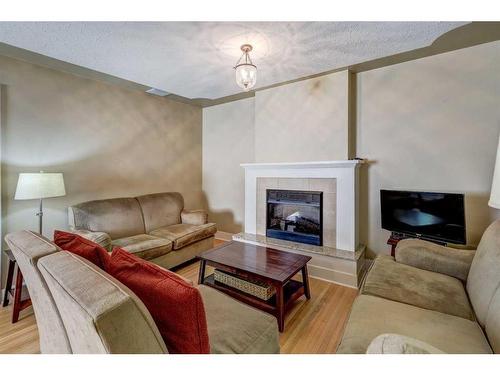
195,59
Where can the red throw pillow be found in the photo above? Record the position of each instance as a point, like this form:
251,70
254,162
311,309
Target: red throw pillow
175,305
81,246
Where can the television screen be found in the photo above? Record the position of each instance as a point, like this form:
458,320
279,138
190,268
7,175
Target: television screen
437,216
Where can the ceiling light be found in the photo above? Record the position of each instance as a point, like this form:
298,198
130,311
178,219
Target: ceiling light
246,71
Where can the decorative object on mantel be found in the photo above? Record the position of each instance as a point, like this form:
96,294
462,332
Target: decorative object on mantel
39,186
246,71
495,185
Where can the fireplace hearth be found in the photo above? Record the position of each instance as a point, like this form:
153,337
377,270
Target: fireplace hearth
294,215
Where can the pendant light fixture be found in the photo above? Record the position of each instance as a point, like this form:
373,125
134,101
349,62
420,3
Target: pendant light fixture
246,71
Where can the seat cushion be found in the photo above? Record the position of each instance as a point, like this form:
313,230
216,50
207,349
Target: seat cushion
185,234
235,328
144,246
176,306
81,246
372,316
429,290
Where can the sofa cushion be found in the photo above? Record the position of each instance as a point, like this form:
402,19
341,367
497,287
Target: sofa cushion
234,327
78,245
372,316
429,290
144,246
119,217
484,275
176,306
436,258
185,234
160,210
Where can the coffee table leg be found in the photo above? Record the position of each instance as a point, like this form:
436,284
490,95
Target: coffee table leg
8,286
305,281
201,275
280,307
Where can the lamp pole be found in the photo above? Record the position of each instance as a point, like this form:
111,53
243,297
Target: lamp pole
40,217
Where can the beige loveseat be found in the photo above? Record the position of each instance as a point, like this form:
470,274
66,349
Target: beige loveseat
429,299
81,309
155,227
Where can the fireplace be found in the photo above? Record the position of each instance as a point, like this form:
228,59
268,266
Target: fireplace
295,215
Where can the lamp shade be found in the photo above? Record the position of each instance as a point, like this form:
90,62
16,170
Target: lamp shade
495,185
39,185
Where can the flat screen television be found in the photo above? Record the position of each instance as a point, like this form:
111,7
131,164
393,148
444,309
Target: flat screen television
435,216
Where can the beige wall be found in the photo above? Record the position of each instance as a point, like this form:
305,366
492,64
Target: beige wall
303,121
108,142
228,141
430,124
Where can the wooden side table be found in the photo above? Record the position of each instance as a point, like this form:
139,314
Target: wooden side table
21,296
393,242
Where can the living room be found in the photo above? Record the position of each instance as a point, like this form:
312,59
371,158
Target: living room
287,186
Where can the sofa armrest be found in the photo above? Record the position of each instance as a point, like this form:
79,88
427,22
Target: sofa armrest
101,238
390,343
195,217
436,258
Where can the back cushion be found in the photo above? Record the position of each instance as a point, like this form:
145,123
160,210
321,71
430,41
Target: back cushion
161,210
28,248
100,314
484,274
176,306
119,217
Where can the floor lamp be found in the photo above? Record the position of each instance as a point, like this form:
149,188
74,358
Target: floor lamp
39,186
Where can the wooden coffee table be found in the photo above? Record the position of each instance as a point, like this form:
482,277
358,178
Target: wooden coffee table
253,262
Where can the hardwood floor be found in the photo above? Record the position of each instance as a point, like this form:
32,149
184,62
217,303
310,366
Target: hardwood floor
313,326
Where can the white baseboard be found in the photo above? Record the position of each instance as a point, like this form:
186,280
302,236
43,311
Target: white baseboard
225,236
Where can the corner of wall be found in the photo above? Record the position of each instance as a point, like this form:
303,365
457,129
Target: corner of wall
351,114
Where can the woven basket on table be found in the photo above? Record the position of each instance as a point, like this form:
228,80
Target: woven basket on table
255,288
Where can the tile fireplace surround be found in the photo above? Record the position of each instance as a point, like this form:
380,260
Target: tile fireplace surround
341,258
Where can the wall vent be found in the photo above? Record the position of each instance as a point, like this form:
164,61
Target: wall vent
157,92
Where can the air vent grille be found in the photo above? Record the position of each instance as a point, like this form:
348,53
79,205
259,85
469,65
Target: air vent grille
157,92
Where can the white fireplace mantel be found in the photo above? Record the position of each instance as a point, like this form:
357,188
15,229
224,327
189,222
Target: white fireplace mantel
306,164
344,171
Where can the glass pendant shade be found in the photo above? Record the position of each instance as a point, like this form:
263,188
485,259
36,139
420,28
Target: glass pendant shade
246,76
246,71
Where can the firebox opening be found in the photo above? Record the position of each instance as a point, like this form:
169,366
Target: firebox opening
294,215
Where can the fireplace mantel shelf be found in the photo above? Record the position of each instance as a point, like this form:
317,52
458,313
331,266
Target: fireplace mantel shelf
308,164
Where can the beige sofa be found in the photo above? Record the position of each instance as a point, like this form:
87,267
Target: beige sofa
81,309
155,227
429,299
